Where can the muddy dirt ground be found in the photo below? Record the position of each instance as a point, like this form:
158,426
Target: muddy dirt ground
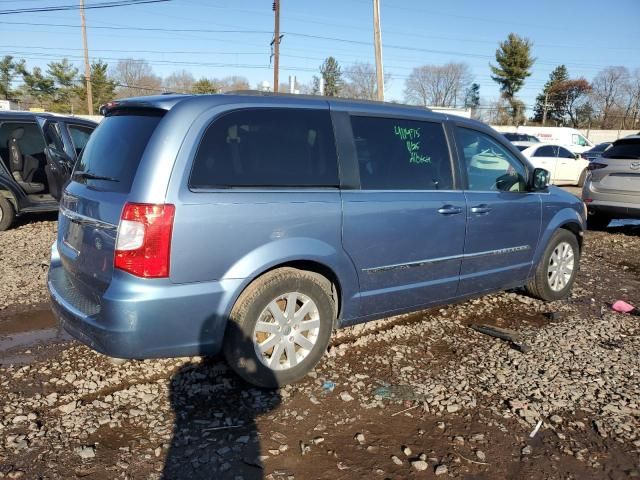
415,396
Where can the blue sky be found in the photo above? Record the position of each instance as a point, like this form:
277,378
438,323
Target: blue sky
585,35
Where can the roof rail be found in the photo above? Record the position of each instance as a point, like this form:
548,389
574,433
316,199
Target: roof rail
321,97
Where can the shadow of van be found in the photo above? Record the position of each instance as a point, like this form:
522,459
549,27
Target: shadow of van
215,435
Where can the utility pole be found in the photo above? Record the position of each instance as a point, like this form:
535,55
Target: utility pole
87,67
276,46
377,41
544,109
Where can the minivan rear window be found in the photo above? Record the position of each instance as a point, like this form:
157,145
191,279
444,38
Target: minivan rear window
285,147
114,150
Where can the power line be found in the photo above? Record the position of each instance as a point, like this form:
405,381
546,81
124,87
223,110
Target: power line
304,35
61,8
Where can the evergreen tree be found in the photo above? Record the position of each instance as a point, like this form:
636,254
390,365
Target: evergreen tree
102,86
38,87
204,85
65,78
514,66
9,68
555,102
332,75
472,97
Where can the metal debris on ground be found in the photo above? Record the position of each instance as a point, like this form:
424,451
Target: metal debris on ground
510,336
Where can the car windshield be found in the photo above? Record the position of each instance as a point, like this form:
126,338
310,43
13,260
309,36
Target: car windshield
626,148
522,147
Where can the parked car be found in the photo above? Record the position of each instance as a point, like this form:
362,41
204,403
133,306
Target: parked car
596,151
612,188
520,137
566,168
256,224
569,138
37,153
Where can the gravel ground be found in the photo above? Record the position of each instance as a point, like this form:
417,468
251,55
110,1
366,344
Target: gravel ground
414,396
24,260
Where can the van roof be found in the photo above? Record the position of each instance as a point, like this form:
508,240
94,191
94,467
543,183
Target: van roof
169,100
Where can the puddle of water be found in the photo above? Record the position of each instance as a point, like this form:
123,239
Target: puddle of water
27,329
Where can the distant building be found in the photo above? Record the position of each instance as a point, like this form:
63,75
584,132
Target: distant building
8,105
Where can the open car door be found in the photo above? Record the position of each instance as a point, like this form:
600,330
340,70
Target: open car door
59,163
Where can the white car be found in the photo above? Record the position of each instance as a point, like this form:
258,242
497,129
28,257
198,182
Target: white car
566,168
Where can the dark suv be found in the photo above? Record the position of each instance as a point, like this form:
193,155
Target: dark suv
37,153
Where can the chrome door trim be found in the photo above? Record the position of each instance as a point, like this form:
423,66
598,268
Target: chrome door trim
430,261
84,220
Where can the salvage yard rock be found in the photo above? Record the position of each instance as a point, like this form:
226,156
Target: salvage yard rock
466,402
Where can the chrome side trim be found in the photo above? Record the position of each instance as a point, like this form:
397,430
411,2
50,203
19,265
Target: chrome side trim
430,261
84,220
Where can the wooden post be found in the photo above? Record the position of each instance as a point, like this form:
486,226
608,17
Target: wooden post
87,67
276,46
377,41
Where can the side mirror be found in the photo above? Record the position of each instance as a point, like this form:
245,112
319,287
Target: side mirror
576,156
540,179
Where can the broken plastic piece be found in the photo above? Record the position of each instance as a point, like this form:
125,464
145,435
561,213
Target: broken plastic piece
624,307
535,430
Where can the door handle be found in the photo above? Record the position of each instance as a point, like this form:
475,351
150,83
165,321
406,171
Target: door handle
482,208
449,210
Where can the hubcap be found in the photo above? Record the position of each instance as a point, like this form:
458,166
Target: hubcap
286,331
560,268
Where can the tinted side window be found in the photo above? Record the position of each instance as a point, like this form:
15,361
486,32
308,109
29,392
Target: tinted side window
52,136
267,147
490,166
79,136
564,153
398,154
546,151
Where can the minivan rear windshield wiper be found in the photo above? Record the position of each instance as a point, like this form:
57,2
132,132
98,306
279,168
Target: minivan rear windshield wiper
93,176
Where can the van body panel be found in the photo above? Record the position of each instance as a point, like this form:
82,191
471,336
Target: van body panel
390,251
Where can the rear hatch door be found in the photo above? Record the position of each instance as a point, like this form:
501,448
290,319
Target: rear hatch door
92,203
622,173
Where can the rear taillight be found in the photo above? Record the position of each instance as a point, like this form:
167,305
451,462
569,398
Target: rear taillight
143,247
596,166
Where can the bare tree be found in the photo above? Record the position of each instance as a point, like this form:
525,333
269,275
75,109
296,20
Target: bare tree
181,82
608,89
135,78
632,93
234,82
438,85
360,82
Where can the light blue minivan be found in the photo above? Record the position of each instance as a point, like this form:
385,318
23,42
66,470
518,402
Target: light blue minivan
255,224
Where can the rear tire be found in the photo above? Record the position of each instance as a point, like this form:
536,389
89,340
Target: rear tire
556,272
270,343
597,221
7,214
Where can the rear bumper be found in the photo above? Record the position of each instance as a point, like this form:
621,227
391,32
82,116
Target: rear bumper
616,205
139,319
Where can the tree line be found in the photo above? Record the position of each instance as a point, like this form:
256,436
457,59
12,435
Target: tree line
610,100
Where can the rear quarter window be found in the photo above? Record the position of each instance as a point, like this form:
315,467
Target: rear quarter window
267,148
627,148
115,148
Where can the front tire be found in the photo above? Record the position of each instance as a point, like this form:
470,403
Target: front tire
7,214
556,272
279,327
